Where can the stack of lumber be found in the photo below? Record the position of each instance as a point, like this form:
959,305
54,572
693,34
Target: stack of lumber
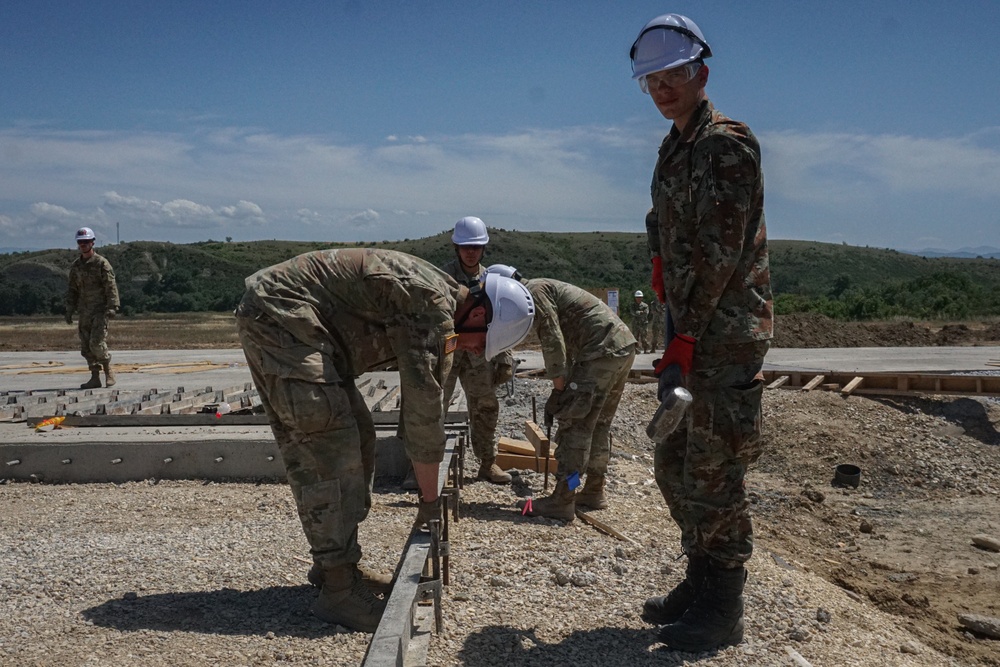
528,454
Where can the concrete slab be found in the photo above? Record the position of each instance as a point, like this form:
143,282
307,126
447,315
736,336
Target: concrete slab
170,369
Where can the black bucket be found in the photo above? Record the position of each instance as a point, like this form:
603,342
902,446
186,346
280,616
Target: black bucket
847,474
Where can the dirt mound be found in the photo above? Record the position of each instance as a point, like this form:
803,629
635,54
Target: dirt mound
811,330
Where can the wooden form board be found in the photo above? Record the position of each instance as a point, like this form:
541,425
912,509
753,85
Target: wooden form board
519,462
886,383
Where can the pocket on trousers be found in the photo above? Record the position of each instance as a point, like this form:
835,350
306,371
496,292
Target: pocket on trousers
310,406
576,403
737,417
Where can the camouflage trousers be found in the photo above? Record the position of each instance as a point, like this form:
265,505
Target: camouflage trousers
586,413
641,335
656,333
93,330
326,437
701,467
476,375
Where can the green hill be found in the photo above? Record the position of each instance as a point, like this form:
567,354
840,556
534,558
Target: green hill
841,281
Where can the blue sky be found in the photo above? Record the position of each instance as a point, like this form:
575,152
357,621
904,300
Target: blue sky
357,121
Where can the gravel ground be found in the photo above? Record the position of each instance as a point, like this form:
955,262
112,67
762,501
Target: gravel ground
189,573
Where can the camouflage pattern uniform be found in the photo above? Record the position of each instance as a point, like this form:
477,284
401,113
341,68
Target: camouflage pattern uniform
640,324
584,342
477,375
309,327
707,224
93,292
656,313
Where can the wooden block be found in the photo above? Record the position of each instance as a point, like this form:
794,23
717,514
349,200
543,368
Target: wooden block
852,385
508,461
536,436
512,446
777,383
815,382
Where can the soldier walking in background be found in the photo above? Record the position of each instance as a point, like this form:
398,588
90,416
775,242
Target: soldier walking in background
588,353
93,294
655,325
640,321
708,243
309,327
480,377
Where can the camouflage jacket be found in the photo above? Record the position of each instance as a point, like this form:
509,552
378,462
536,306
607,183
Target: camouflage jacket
640,313
92,286
455,270
367,309
707,223
656,314
574,326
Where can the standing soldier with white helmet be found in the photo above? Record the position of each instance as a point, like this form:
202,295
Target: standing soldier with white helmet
708,243
309,327
93,293
640,321
480,377
656,312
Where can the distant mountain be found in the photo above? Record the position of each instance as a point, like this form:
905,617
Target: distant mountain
985,251
834,279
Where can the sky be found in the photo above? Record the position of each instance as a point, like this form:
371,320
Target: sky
369,120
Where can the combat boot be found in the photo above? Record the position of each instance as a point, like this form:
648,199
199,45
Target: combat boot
491,472
377,582
95,379
592,495
560,505
109,374
664,609
346,601
715,619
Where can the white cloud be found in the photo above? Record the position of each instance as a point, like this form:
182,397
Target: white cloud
366,218
183,186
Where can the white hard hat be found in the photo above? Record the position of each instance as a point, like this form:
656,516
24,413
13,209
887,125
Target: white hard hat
668,41
513,313
470,230
504,270
85,234
638,293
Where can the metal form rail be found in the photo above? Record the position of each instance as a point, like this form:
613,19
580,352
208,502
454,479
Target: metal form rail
403,635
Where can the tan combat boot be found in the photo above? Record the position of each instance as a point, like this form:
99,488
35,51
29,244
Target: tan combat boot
95,379
560,505
377,582
109,374
491,472
592,495
346,601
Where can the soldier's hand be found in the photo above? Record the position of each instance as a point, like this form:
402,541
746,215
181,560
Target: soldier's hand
553,405
69,318
429,511
502,373
111,312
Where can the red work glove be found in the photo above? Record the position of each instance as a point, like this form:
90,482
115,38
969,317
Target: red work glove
680,351
657,280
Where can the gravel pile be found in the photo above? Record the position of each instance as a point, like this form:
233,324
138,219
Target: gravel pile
188,573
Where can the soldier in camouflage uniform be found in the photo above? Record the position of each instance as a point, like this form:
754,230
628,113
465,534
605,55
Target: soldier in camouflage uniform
708,243
655,325
588,353
309,327
640,321
93,293
480,377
